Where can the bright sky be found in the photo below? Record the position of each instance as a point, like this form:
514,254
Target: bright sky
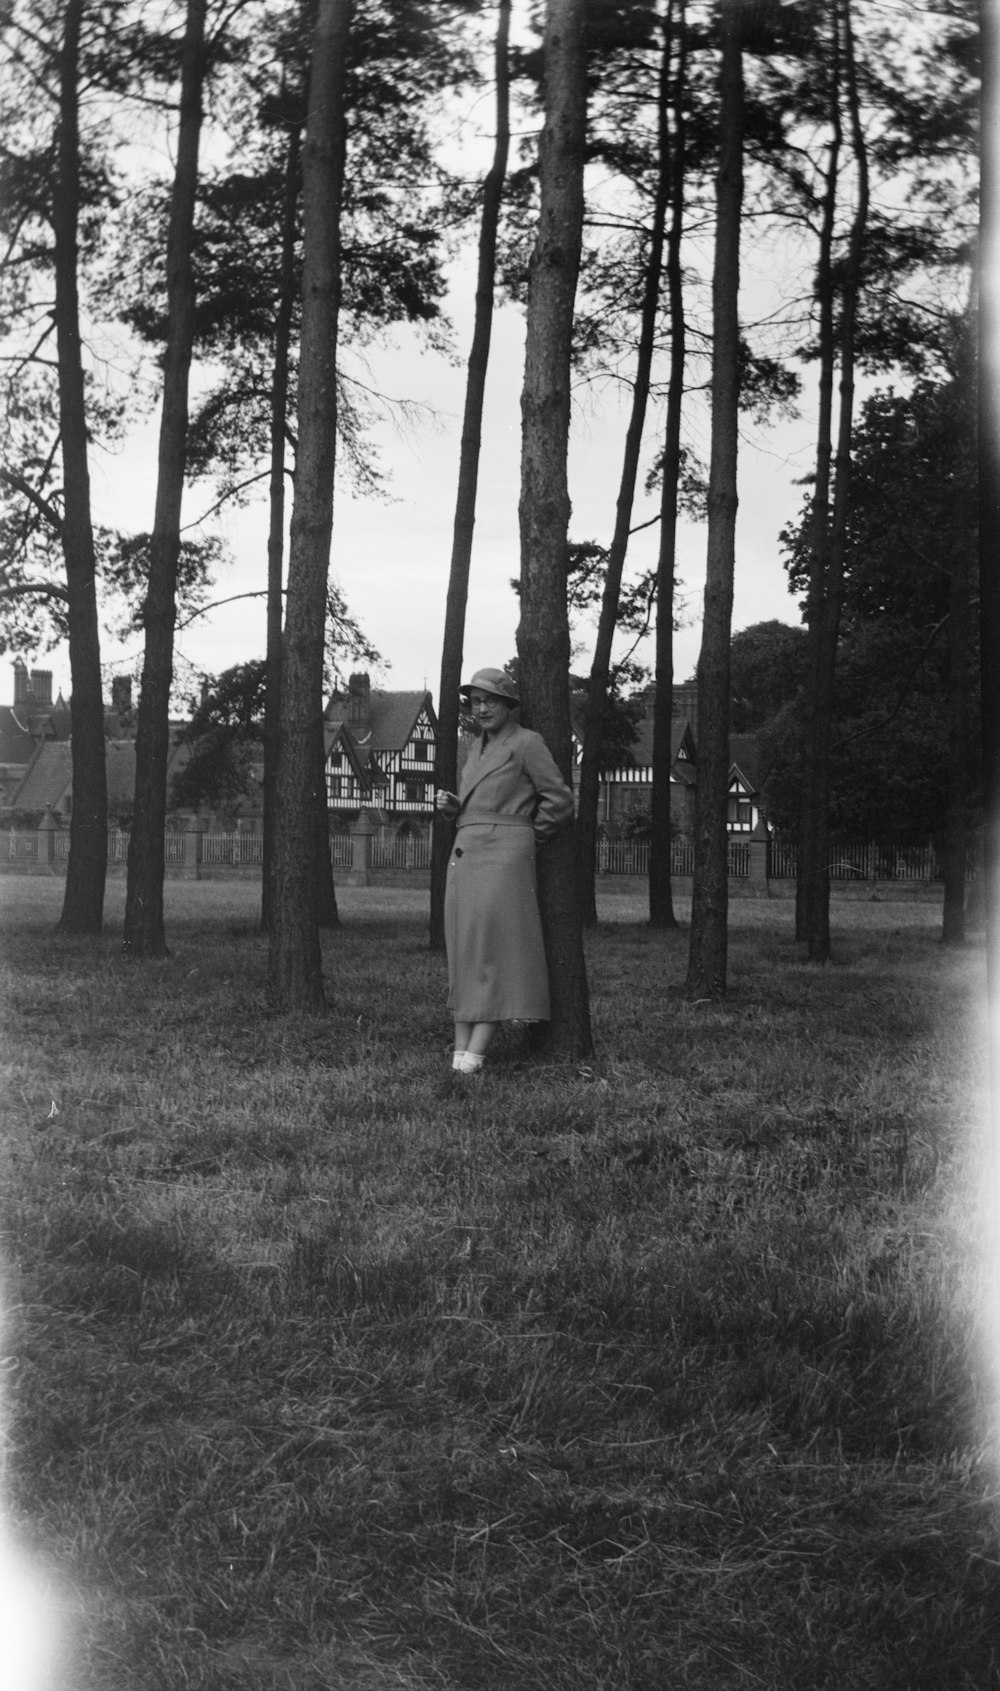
391,555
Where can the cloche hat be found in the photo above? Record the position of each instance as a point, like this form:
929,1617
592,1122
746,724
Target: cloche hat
494,681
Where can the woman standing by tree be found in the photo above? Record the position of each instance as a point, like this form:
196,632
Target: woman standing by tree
511,796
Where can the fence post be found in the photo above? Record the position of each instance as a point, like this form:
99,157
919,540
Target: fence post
46,850
194,837
757,845
362,833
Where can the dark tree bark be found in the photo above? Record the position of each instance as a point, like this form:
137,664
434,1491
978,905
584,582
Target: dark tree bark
813,843
989,522
707,956
960,646
446,767
327,914
144,931
661,902
276,524
827,608
295,976
83,902
600,670
543,631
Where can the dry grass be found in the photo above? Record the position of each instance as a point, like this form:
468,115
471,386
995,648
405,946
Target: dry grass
328,1370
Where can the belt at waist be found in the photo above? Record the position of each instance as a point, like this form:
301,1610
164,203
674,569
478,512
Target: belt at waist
491,819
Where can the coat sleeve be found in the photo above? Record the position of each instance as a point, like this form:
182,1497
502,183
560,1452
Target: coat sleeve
555,799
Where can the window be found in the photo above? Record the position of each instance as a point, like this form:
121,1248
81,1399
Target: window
336,787
421,751
415,792
336,760
739,810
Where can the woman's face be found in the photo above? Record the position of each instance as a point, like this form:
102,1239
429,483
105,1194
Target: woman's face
490,711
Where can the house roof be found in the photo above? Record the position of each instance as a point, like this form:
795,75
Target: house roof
744,752
642,749
47,777
640,753
392,719
362,760
16,743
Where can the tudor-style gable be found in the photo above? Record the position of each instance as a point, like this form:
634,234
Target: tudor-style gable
380,749
628,789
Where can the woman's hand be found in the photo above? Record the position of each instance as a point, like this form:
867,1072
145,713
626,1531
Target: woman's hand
448,802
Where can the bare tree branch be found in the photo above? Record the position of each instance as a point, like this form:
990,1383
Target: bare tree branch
216,603
43,590
230,493
41,504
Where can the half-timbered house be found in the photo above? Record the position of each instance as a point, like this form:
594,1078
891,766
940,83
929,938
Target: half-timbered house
380,752
626,790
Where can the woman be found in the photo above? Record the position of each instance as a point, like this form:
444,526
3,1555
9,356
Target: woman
511,795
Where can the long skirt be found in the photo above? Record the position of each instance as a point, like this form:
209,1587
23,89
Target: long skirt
493,932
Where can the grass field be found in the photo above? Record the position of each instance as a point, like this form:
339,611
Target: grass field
326,1369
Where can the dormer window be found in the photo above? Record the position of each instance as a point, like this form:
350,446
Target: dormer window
739,808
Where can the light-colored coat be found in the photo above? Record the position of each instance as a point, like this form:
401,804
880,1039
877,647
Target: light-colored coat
510,795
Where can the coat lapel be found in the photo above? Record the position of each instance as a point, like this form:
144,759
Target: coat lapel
497,753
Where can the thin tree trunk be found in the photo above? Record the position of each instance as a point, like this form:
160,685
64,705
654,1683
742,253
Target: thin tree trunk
823,683
956,829
327,914
661,903
543,631
813,855
83,901
276,527
959,654
446,765
144,932
989,553
295,976
600,670
707,956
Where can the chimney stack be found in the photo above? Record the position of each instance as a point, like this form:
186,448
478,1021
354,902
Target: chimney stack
359,710
41,687
20,683
685,703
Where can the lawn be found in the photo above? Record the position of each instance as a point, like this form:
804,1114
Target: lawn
328,1371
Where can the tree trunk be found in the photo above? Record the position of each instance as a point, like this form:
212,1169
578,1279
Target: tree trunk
959,653
600,671
327,914
661,903
144,932
276,526
706,975
817,908
989,528
446,765
295,976
812,872
83,901
543,631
